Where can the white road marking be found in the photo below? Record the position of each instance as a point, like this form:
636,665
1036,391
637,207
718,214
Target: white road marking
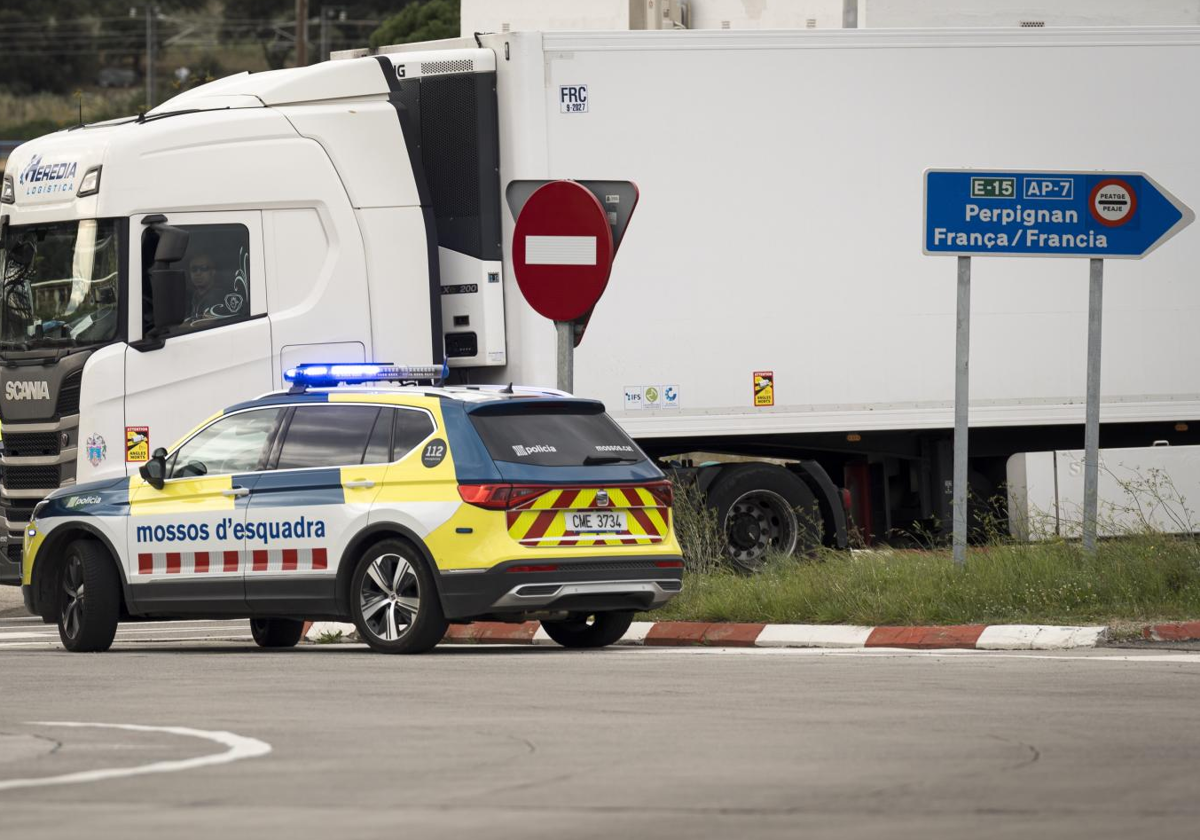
240,747
947,653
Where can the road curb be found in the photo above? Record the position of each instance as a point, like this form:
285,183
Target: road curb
1186,631
728,634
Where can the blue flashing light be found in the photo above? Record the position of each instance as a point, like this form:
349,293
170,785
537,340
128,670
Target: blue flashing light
327,375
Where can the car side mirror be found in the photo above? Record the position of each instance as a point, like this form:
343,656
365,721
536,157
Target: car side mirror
154,471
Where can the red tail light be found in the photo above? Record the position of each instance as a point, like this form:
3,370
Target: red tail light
669,564
499,496
662,491
489,496
540,567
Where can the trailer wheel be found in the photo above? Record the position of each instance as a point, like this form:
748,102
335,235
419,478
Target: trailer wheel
760,508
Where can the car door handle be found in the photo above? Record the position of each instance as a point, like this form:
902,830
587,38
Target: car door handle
236,491
362,482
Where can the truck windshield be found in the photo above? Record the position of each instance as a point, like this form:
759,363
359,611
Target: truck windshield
60,284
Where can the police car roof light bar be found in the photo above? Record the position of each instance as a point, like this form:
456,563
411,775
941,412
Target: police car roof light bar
330,375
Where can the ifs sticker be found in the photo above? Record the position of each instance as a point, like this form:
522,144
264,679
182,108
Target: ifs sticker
137,444
764,387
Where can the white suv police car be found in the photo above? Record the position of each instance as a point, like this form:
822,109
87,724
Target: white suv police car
401,508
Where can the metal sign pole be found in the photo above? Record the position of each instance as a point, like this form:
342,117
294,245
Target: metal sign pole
566,355
962,353
1091,445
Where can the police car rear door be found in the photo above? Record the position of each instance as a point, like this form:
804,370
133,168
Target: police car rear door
311,503
187,541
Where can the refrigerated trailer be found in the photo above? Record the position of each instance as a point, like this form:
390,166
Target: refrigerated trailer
771,327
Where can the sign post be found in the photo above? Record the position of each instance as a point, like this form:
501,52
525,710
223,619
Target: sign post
1092,215
962,382
566,236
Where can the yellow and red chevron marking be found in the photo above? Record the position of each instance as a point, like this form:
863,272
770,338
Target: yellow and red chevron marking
541,522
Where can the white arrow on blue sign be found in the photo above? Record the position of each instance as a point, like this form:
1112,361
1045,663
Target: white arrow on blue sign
1101,215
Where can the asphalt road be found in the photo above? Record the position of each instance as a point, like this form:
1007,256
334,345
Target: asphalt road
545,743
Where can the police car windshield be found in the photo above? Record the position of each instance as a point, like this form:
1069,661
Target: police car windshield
554,436
60,284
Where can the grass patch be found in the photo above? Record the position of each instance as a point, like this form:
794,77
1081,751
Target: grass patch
1136,578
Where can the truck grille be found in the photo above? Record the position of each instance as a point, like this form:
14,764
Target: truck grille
68,395
19,511
13,550
32,444
31,478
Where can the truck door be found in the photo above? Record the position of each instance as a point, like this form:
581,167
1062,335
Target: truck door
220,354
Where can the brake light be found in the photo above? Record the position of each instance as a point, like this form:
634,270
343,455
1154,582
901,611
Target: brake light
669,564
488,496
520,495
541,567
499,496
662,491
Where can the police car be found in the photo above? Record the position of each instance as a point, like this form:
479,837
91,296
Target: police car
363,494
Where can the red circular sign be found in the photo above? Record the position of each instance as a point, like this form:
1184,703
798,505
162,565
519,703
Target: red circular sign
1112,202
562,250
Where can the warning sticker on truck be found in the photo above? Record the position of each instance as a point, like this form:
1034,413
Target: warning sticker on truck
764,387
137,444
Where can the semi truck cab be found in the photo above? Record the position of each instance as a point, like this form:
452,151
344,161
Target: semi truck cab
157,266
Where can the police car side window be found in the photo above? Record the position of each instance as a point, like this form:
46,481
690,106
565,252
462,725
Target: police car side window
327,436
233,444
216,270
412,427
379,447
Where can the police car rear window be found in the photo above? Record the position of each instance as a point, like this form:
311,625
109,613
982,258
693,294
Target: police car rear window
556,439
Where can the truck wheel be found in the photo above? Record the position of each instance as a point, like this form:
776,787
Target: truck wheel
759,507
276,632
589,631
89,599
394,601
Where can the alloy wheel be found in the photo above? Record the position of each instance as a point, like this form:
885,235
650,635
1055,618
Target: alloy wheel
73,597
390,597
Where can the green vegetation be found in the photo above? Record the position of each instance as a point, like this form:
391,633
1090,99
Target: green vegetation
1141,578
429,20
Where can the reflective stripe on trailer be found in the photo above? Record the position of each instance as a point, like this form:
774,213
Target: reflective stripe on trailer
228,562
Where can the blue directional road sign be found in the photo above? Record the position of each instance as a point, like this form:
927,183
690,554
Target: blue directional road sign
1103,215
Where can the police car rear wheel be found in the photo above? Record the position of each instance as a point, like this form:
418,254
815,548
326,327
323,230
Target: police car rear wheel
589,631
89,603
276,632
393,601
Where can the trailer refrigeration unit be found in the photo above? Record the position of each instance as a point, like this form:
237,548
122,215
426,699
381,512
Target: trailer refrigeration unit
770,301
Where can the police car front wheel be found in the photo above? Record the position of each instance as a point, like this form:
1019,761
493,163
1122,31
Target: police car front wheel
89,598
393,600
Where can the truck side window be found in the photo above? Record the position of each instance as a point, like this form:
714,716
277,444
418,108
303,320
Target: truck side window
327,436
216,268
233,444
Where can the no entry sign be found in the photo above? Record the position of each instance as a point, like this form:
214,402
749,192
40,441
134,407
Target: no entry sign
562,250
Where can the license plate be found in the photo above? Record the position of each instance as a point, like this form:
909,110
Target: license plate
597,522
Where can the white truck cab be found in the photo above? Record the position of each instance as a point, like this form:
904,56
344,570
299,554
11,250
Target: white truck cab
324,208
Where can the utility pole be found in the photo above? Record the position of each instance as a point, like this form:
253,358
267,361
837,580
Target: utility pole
326,14
301,33
151,13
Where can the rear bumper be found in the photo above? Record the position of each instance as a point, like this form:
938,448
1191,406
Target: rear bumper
595,584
